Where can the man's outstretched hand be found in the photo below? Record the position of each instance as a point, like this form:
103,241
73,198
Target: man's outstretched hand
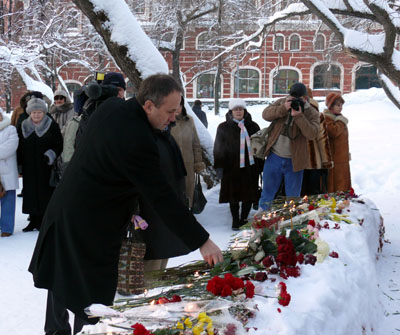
211,253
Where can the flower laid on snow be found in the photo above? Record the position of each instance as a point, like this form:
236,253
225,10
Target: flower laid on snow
284,297
334,254
230,286
165,300
139,329
322,251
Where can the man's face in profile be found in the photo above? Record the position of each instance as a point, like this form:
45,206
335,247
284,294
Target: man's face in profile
160,117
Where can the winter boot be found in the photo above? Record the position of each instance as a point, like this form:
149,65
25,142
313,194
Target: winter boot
246,207
234,207
30,227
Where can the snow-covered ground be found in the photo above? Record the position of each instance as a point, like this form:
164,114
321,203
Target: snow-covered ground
374,125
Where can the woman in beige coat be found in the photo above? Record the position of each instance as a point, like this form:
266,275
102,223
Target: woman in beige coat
185,135
336,124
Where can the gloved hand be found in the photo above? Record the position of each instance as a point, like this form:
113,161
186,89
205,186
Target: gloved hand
46,159
220,172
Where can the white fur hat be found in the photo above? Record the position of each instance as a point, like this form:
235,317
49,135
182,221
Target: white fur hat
36,104
236,102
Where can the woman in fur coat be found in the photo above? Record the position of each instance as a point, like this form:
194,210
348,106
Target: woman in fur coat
8,173
185,135
40,143
339,177
235,164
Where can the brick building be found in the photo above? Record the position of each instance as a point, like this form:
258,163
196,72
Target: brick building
293,52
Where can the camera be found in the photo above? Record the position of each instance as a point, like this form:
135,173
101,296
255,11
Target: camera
296,104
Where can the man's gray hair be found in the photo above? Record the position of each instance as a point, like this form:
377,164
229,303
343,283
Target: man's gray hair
156,87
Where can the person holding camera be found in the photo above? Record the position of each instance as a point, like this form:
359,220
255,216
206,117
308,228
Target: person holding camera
40,143
294,122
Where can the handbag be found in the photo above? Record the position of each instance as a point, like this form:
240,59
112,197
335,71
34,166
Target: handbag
259,141
131,263
199,200
2,190
55,175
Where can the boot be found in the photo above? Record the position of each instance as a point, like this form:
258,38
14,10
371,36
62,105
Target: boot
234,207
30,227
246,207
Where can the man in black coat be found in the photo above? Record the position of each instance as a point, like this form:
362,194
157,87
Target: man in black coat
76,255
200,113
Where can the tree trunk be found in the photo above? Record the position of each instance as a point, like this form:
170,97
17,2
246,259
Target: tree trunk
119,52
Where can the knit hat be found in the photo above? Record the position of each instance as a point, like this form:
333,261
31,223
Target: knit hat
114,78
35,104
236,102
63,94
298,90
331,98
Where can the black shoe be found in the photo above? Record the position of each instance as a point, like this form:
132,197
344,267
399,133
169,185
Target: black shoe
235,225
20,195
242,222
29,227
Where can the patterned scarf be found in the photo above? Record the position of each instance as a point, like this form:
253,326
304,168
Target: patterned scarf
244,137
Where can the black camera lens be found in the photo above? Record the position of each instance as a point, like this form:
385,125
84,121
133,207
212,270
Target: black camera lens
295,104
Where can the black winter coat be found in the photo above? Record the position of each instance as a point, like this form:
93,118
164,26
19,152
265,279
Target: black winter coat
35,170
201,115
237,184
160,242
77,251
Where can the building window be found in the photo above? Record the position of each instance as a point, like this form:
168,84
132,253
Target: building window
205,41
74,20
205,86
140,7
72,87
327,76
284,80
319,43
294,43
279,43
366,77
248,81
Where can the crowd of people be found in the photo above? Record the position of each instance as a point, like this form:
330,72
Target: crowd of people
89,167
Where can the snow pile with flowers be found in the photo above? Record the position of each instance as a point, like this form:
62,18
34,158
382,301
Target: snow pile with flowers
305,267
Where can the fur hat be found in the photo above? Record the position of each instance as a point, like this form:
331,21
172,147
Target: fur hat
35,104
298,90
331,98
236,102
63,94
114,78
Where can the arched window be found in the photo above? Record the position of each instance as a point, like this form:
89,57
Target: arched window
205,86
72,87
319,43
205,41
247,81
294,43
279,43
366,77
327,76
284,80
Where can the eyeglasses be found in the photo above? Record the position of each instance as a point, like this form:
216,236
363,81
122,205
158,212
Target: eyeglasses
59,97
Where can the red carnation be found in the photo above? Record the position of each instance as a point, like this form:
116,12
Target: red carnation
311,207
249,289
139,329
162,300
226,291
234,282
281,239
300,258
311,223
215,285
284,299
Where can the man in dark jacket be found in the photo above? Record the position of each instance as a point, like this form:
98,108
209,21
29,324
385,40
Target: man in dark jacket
77,251
200,113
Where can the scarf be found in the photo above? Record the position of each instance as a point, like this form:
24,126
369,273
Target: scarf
244,137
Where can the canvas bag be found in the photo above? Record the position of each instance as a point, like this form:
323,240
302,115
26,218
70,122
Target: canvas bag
259,142
199,200
131,263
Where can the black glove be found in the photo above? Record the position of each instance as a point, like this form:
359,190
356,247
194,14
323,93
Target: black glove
46,159
220,172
